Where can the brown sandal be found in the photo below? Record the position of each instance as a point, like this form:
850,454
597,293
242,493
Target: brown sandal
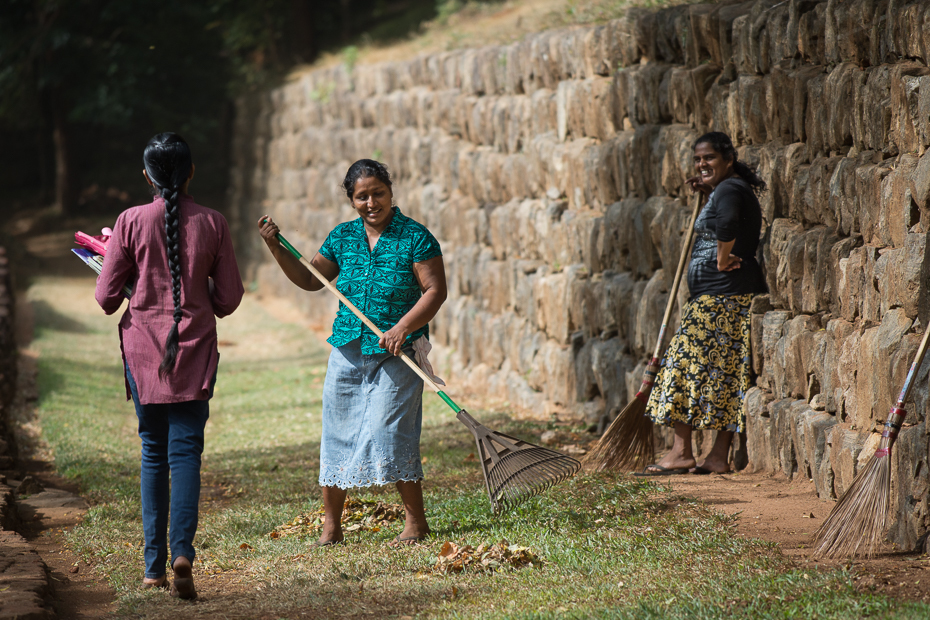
183,585
160,585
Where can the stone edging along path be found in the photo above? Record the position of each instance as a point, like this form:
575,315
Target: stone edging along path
24,578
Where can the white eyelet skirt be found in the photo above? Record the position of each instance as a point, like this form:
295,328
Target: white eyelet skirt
372,415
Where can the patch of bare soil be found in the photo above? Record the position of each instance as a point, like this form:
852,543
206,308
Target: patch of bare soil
788,513
79,591
780,511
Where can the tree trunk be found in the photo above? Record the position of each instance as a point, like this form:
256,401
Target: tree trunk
303,39
345,20
67,186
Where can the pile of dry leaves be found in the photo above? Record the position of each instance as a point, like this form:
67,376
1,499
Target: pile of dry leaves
500,556
357,516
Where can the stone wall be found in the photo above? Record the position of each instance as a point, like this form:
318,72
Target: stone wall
552,172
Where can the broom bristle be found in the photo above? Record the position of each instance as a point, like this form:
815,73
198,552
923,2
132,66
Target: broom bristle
856,525
627,443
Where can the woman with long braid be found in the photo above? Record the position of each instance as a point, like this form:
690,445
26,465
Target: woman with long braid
180,256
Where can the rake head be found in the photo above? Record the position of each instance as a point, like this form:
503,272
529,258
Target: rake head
515,470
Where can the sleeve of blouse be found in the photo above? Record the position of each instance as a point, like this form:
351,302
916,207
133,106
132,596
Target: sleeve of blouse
425,247
118,267
326,250
728,201
227,282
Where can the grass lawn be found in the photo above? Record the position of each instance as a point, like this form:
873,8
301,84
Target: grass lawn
610,546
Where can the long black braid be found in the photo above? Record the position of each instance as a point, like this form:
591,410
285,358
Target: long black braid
168,164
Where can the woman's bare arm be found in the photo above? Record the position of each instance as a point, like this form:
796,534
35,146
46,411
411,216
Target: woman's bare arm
295,271
431,275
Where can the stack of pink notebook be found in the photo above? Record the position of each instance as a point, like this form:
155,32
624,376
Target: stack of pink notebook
93,250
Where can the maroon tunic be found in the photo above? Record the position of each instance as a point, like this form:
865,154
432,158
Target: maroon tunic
136,252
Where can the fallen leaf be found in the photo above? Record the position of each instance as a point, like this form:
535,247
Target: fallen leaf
357,516
470,458
455,558
245,546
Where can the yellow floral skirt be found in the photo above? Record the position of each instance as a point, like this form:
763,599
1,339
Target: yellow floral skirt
707,368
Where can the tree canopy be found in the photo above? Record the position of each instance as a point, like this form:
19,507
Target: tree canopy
85,83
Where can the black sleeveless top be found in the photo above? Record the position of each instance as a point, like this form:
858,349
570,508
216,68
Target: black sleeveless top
732,213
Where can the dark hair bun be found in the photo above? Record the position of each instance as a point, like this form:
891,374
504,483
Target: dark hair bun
364,168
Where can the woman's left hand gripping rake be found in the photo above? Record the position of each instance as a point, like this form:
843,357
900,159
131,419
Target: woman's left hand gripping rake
514,470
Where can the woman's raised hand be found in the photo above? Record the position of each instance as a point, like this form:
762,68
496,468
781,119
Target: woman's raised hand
697,185
269,231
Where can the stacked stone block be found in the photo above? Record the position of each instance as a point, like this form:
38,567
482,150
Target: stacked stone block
552,171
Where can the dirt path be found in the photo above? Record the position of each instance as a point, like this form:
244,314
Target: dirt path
55,506
788,513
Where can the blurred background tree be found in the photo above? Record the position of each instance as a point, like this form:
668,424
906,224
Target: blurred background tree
85,83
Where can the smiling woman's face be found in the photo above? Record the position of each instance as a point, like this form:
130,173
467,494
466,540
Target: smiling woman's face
372,200
710,165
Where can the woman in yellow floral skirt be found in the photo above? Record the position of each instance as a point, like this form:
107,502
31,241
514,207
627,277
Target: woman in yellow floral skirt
707,368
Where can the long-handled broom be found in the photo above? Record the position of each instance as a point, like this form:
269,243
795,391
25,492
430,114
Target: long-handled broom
514,470
856,525
629,441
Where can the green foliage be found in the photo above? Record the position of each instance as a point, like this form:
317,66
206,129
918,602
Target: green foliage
112,74
446,9
349,57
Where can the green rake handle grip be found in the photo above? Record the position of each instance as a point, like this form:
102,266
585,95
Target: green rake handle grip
348,304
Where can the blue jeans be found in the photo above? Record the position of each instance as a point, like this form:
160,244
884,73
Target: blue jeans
172,442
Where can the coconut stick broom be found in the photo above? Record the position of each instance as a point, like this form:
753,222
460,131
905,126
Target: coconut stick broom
857,523
629,441
514,470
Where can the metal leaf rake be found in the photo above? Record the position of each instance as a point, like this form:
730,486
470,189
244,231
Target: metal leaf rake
514,470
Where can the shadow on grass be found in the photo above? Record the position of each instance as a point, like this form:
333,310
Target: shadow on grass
48,318
80,381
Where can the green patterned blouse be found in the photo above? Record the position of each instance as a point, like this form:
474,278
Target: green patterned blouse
379,282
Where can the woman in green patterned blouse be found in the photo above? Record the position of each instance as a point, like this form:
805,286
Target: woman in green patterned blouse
390,267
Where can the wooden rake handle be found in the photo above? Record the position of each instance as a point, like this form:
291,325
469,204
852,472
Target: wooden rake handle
682,261
652,368
915,366
348,304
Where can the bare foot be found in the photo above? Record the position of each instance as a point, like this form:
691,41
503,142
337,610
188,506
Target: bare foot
415,531
328,542
711,466
412,534
673,461
331,534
